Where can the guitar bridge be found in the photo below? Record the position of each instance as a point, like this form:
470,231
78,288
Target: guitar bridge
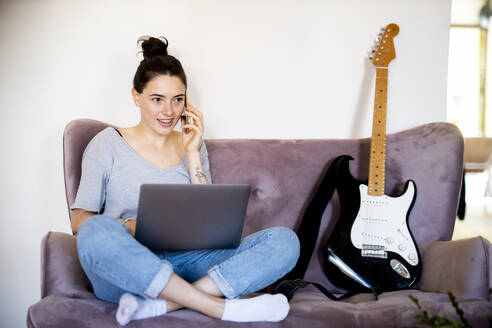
376,251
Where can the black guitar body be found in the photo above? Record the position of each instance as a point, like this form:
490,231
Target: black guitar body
377,272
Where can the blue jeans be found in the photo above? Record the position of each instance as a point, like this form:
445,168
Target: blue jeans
116,263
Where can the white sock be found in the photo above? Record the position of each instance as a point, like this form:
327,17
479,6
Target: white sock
265,307
133,307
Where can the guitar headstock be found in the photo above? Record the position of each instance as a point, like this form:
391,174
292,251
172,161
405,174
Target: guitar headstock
384,53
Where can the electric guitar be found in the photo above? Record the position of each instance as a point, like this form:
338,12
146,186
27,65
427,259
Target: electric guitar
371,246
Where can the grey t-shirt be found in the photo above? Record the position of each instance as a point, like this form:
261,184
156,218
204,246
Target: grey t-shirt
112,173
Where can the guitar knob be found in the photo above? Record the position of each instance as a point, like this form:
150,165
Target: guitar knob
411,256
389,240
401,247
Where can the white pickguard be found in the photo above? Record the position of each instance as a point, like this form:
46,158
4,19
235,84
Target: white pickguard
382,221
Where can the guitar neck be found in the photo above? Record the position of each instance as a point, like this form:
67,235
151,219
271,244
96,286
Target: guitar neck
377,162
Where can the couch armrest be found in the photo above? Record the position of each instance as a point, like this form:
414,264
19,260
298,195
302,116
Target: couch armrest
463,267
61,272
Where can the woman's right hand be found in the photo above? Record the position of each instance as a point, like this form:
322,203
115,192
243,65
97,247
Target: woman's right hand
131,224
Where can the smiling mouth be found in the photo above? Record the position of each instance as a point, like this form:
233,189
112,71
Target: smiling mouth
167,122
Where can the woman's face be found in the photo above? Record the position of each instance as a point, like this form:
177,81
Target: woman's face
161,103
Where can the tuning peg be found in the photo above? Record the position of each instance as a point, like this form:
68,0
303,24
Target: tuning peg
371,57
378,39
373,50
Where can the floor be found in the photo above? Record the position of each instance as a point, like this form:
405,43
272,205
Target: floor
478,215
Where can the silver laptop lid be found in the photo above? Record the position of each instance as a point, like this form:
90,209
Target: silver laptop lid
174,217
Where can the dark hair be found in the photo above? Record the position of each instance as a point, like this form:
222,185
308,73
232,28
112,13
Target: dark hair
156,62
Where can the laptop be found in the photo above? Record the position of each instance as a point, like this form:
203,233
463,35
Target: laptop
177,217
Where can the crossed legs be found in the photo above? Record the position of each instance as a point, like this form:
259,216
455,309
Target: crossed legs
203,296
259,261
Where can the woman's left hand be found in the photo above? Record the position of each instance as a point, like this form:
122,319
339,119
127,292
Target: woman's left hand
191,140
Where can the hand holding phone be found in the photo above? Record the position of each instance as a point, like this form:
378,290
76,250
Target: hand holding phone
187,119
192,127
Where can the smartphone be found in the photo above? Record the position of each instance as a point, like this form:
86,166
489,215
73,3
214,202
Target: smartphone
187,118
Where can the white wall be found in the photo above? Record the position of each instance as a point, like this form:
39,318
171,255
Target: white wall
257,69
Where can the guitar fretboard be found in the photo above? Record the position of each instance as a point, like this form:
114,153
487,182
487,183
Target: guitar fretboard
377,162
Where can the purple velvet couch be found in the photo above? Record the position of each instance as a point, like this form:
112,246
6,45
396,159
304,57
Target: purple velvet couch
283,175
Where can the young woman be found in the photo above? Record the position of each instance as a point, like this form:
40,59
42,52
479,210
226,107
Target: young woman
115,164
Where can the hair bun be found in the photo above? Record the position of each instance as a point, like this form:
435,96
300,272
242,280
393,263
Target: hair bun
153,46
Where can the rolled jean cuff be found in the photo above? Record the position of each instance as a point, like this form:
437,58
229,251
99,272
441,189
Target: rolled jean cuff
223,285
160,280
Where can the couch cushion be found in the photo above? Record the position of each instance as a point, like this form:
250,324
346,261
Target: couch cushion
460,266
313,310
61,272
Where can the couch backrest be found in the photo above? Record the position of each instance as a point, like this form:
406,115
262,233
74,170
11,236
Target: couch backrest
283,175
